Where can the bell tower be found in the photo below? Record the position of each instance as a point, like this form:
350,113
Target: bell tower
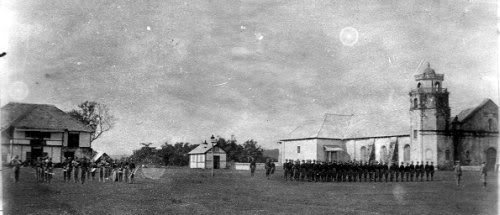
429,115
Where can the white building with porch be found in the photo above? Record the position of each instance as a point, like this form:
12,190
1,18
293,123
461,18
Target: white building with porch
202,157
38,130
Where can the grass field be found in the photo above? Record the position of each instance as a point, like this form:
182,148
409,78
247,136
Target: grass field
187,191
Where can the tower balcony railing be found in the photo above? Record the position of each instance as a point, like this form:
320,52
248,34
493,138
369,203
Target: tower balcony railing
429,90
425,76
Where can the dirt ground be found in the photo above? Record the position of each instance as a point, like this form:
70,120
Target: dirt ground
189,191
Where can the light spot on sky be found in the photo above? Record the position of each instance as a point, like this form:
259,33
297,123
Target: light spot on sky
18,91
349,36
148,28
259,36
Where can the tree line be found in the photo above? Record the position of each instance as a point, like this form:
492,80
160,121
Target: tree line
177,154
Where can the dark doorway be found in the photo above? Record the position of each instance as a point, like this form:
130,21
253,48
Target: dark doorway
491,158
36,149
216,162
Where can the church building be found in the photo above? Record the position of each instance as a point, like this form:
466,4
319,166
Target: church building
430,134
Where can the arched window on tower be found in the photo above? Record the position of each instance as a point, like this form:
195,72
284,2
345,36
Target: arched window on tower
415,103
437,85
419,84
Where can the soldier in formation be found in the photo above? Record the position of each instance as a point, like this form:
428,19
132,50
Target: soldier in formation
355,171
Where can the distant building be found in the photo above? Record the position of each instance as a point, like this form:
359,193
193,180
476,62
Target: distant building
37,130
430,135
101,156
201,157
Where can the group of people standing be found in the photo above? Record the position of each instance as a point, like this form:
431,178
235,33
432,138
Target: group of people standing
83,168
44,169
79,169
353,171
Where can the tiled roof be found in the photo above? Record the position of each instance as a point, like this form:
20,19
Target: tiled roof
201,149
465,114
39,116
337,126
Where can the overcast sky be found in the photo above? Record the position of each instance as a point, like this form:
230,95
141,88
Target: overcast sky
184,70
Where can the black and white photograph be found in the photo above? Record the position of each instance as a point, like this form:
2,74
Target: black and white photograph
249,107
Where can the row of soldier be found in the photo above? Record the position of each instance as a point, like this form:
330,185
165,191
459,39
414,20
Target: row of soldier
83,168
352,171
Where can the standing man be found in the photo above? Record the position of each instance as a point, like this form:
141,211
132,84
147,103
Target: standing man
412,171
458,172
407,171
431,168
484,173
427,170
253,165
391,172
402,171
285,169
417,171
39,169
268,168
303,170
422,170
16,167
65,169
386,172
132,171
83,169
50,170
76,167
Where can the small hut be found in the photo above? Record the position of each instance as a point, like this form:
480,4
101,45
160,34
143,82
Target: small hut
201,157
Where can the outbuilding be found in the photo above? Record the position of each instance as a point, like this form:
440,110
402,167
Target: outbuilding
201,157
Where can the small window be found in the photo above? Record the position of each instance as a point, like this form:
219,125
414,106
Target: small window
415,103
438,85
415,133
419,84
467,154
298,149
447,155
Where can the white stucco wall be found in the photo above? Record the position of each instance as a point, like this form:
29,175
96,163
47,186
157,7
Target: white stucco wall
308,149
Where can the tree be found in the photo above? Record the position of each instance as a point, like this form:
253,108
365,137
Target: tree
146,155
234,151
176,154
253,150
95,115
